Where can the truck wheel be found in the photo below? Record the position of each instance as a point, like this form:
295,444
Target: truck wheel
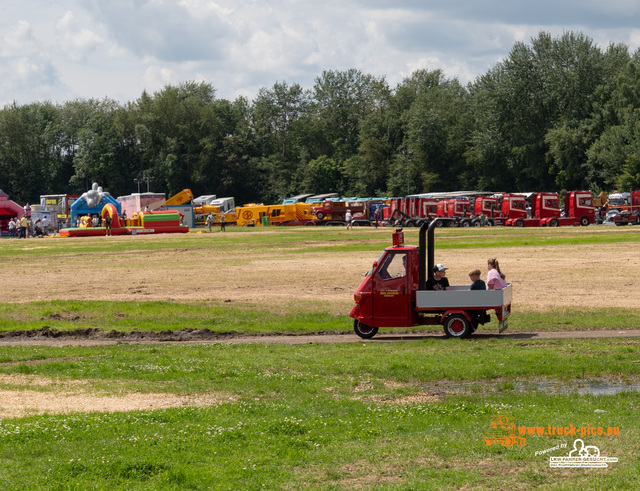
439,223
320,215
457,326
519,224
584,221
465,223
410,223
364,331
476,223
553,223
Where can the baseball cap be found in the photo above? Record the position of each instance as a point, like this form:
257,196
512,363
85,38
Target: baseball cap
440,267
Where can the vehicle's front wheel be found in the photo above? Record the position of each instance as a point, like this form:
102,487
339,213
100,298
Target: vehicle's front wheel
457,326
364,331
519,224
320,215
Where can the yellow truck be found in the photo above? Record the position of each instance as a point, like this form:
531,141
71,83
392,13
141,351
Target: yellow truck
258,214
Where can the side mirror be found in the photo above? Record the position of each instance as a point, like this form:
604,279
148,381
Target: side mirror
375,263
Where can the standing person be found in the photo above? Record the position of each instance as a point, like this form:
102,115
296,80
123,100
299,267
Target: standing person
438,282
209,221
12,228
45,225
348,218
107,224
222,220
23,227
495,277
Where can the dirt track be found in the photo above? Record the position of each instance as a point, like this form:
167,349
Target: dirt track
97,337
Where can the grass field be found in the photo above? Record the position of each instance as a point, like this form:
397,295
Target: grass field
405,415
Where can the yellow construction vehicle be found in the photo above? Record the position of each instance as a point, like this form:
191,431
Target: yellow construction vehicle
180,198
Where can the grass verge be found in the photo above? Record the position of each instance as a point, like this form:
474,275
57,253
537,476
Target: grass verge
398,416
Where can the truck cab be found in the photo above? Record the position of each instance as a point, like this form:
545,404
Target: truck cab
543,205
579,210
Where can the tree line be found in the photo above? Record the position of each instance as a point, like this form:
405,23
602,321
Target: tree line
557,114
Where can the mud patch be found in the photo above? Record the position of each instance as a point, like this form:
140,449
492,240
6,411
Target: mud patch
64,397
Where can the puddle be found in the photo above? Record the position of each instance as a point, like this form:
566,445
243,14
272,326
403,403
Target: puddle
594,387
589,387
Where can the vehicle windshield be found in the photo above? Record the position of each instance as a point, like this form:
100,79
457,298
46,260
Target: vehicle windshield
377,262
617,201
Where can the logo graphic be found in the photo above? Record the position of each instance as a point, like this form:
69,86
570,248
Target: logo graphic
582,456
503,431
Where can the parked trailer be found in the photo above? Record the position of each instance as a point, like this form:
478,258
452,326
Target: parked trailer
412,211
454,212
253,214
394,294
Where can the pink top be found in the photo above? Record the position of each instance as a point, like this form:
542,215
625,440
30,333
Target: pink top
494,280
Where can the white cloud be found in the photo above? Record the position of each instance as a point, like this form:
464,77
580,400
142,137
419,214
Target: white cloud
75,42
117,48
25,66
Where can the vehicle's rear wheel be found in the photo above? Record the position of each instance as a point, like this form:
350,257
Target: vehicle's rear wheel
457,326
364,331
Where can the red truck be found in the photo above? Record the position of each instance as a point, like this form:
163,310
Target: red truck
454,212
543,205
497,210
394,294
579,210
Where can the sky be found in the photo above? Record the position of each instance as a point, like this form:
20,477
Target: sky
61,50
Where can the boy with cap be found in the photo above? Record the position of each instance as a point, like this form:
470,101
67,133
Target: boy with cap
438,282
